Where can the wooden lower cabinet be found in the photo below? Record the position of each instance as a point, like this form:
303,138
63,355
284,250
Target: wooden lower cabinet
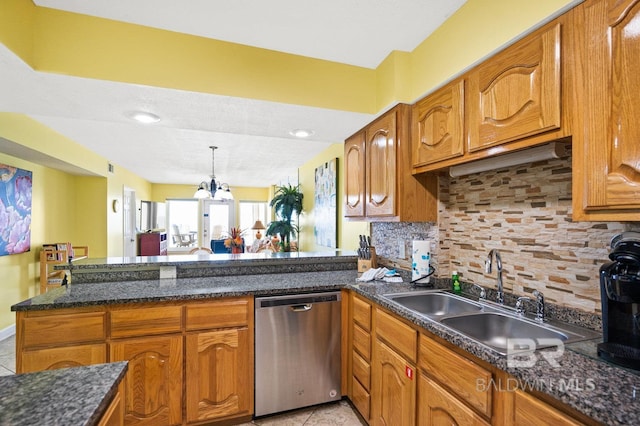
530,411
359,357
218,374
438,407
448,387
114,415
153,384
393,390
189,362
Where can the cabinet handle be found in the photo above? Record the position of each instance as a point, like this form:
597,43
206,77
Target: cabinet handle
301,308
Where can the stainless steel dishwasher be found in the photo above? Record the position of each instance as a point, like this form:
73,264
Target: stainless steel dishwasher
297,351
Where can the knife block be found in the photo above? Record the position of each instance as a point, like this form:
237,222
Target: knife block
365,264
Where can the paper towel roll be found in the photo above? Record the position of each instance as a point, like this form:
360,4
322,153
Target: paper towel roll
421,255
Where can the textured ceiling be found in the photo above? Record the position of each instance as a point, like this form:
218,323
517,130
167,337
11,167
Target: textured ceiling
255,148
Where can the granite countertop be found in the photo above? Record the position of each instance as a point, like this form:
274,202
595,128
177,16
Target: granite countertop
68,396
600,390
91,294
221,260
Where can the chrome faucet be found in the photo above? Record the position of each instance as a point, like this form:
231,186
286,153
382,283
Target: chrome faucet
487,268
483,292
520,305
539,305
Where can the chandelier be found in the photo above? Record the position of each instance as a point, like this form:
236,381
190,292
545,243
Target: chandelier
213,189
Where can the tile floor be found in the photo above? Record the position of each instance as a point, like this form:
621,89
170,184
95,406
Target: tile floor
8,356
335,414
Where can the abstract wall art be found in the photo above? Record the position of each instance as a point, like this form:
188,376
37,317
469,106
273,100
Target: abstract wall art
325,212
15,210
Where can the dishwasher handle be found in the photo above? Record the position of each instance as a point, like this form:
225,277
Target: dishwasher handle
302,308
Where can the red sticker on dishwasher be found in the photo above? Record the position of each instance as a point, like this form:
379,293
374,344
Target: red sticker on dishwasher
408,371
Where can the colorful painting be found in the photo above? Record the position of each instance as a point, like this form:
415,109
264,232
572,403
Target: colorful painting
15,210
325,213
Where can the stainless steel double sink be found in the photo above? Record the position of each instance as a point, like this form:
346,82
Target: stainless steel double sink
497,328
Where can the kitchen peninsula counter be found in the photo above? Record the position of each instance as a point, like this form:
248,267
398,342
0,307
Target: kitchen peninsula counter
69,396
207,265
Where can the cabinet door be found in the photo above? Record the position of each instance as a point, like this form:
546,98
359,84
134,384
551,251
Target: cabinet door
63,357
438,125
114,415
153,384
438,407
219,374
393,391
530,411
355,175
607,158
516,93
381,166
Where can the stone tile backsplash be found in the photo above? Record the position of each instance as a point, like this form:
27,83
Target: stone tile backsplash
525,213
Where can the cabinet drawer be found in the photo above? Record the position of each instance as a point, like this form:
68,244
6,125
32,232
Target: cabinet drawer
362,370
362,342
59,330
362,313
457,373
145,321
531,411
223,313
63,357
361,399
397,334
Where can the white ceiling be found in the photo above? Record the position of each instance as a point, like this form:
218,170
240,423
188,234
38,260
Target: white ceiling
255,148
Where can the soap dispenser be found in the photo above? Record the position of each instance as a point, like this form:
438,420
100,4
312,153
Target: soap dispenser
455,281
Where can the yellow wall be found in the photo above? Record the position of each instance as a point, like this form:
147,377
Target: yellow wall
347,231
61,42
477,29
78,208
92,47
53,219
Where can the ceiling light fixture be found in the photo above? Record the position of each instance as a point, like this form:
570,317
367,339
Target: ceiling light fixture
539,153
213,189
301,133
143,117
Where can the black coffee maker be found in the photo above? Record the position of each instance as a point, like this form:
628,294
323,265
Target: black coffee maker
620,293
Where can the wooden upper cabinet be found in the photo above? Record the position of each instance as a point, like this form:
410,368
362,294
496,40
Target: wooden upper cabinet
380,145
438,125
379,184
354,167
607,155
516,93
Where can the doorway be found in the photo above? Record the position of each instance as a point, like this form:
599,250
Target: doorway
129,222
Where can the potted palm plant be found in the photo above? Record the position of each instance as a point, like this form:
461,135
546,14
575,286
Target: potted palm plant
286,202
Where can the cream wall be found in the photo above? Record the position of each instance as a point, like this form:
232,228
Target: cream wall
347,231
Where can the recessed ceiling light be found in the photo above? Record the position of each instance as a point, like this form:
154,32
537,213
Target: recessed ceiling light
143,117
301,133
